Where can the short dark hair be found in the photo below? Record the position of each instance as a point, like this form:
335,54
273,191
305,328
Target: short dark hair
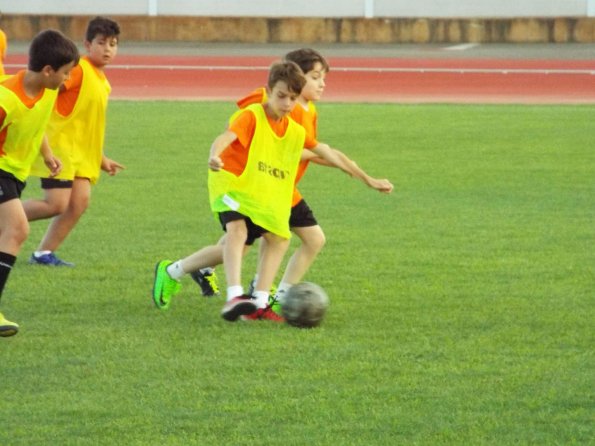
306,58
102,26
288,72
51,47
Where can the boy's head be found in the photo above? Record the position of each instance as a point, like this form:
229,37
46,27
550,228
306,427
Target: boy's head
101,41
102,26
289,73
315,68
284,86
306,59
51,48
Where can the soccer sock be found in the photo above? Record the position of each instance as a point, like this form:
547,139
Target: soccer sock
234,291
41,253
262,298
6,264
283,287
207,270
282,291
175,270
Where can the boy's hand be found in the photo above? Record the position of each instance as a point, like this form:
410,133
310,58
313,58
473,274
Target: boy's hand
384,186
110,166
215,163
54,164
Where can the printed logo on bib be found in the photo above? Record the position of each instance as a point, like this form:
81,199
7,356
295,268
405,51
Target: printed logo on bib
272,171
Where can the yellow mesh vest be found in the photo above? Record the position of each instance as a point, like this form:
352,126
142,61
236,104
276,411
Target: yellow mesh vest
25,131
263,191
77,139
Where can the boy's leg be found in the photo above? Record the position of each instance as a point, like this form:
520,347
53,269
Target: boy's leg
63,224
54,202
201,266
7,328
237,304
273,248
312,241
271,256
304,225
237,234
14,229
167,274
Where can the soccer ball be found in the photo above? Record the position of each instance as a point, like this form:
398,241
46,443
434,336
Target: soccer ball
304,305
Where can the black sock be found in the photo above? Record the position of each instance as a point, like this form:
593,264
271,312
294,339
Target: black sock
6,264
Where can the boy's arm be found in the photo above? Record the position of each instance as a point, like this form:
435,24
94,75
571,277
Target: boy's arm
52,163
335,158
218,146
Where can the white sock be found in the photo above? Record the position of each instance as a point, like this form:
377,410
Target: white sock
175,270
234,291
207,270
41,253
262,298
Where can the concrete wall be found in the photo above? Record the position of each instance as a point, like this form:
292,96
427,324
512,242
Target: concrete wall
320,8
317,30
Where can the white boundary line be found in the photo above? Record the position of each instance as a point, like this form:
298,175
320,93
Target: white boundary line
461,47
353,69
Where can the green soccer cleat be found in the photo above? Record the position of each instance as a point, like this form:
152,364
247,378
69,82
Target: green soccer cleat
164,287
7,328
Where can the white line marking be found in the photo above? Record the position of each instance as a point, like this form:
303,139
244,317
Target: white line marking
461,47
353,69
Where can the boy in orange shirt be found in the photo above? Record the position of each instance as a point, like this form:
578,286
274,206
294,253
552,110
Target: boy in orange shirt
76,133
26,102
260,151
302,221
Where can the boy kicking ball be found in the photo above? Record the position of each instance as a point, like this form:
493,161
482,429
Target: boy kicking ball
260,151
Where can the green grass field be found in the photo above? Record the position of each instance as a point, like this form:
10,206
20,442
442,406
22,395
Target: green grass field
461,305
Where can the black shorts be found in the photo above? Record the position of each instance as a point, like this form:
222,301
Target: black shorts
10,187
53,183
254,231
302,216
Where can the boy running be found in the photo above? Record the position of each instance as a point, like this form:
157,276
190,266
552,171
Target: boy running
200,264
302,221
76,133
260,151
26,102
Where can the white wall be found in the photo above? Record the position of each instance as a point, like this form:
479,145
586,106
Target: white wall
481,8
75,7
308,8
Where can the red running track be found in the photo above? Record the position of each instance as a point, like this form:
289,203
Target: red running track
357,79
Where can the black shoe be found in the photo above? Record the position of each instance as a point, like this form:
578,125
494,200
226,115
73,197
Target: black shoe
207,281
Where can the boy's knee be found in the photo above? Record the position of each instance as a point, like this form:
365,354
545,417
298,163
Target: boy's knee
321,241
315,241
318,243
57,208
19,234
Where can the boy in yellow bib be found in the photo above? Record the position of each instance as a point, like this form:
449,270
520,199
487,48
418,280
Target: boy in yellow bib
3,47
76,133
26,102
253,166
